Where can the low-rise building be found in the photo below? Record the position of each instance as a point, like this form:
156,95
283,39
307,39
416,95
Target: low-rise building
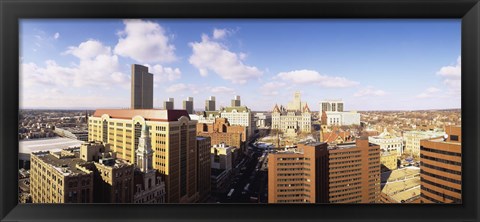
388,142
412,140
401,186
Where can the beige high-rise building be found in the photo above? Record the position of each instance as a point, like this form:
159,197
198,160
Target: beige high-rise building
141,88
173,139
296,104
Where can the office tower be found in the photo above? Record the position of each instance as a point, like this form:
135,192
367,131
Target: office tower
169,104
203,168
359,163
55,178
316,173
150,187
299,175
236,101
441,167
173,136
188,105
210,104
331,105
141,88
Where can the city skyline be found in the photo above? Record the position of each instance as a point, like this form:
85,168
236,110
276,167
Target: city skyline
263,61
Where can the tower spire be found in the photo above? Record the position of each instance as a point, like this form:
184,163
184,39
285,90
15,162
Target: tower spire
144,151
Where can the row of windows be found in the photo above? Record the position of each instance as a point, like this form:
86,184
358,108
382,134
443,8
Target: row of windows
294,195
345,171
293,185
345,190
292,169
441,168
456,200
298,158
346,157
293,179
345,194
293,164
423,172
293,190
292,174
440,185
344,167
440,151
441,160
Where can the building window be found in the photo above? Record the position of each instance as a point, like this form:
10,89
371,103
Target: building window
454,137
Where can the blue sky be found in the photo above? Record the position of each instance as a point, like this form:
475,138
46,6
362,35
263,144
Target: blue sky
370,64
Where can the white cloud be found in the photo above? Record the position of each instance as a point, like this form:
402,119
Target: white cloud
56,35
96,66
145,42
313,77
88,50
272,88
176,87
222,89
210,55
452,77
164,74
429,93
451,71
369,91
220,33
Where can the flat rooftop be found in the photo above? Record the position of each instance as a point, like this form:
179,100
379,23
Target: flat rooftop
47,144
65,165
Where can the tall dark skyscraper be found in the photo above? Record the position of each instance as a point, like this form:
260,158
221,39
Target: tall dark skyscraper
142,88
210,104
188,105
236,101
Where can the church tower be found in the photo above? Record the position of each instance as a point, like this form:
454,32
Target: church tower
144,151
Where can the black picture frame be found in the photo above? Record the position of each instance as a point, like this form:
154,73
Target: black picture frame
13,10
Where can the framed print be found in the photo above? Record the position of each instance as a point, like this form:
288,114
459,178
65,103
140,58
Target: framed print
243,111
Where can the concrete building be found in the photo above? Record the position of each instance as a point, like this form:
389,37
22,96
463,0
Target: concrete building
441,167
401,186
141,88
333,105
412,140
173,136
236,101
169,104
316,173
388,142
334,118
210,104
263,120
240,116
188,105
292,122
206,117
204,166
296,104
